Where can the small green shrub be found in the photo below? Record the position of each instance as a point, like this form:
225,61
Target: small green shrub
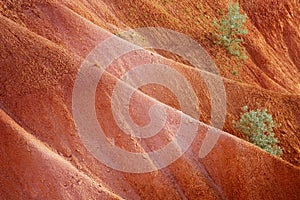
229,29
258,128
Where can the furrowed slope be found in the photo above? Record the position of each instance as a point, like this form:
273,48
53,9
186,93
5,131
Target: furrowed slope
42,47
67,26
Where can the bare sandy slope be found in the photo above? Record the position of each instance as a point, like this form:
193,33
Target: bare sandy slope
42,47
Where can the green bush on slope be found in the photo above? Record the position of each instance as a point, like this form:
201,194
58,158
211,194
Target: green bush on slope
258,127
229,29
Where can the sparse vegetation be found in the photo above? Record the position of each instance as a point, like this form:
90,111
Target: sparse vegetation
235,72
258,128
229,29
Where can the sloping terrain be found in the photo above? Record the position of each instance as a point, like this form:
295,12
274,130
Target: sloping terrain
43,44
